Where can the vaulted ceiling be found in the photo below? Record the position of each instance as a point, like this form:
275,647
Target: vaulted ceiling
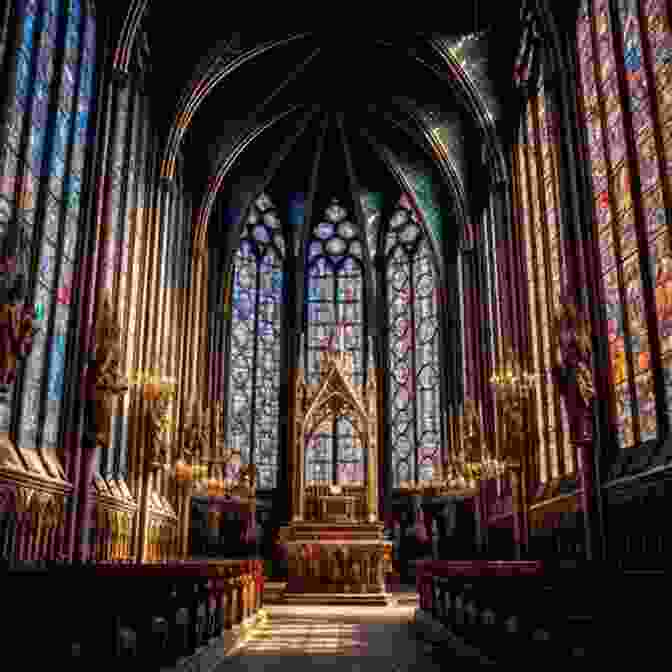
428,102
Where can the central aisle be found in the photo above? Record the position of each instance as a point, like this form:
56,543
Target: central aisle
342,638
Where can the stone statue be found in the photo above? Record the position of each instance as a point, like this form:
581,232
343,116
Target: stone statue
17,332
198,430
108,379
572,367
472,431
158,426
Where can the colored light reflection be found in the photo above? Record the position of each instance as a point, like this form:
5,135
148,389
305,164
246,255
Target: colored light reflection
304,636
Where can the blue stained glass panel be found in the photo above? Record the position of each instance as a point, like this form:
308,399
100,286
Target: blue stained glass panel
47,263
325,229
23,77
56,367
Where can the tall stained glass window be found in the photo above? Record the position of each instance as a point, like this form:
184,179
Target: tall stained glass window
538,193
254,387
414,364
625,60
47,122
335,319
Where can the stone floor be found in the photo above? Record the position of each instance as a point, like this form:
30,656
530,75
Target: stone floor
340,638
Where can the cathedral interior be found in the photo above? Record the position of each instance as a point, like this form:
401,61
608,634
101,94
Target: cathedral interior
351,318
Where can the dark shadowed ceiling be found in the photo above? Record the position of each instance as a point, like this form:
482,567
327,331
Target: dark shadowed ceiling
392,88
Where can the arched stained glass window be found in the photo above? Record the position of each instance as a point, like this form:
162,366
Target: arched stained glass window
335,319
624,53
43,168
414,365
254,385
538,194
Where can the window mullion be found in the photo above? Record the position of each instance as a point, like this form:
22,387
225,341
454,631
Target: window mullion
411,275
255,356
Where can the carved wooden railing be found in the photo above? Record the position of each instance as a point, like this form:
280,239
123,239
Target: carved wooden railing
515,610
152,613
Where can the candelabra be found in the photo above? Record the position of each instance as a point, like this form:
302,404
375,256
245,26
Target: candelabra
513,387
215,484
153,384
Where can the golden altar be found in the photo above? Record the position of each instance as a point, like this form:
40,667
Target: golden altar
337,508
334,542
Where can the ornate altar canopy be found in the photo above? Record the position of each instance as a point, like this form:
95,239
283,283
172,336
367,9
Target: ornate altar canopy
335,541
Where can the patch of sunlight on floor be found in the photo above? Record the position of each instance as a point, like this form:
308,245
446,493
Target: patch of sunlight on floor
293,636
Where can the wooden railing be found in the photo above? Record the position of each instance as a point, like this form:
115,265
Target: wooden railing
152,613
512,611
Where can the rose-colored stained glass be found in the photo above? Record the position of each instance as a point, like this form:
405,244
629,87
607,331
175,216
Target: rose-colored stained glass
661,262
627,234
659,34
646,398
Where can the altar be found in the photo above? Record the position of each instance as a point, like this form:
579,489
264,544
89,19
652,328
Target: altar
335,546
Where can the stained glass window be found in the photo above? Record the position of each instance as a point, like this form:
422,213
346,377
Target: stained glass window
47,125
538,189
335,319
624,52
414,365
253,410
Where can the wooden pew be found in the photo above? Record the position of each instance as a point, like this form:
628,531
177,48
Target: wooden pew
513,609
168,610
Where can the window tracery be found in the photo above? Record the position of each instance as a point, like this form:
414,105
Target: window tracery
414,369
254,390
335,319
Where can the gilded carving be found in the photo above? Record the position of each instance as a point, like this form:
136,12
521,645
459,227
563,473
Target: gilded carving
471,431
17,331
572,369
159,425
108,379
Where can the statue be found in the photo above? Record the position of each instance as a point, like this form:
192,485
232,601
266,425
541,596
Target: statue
17,332
515,429
159,424
472,431
108,380
198,430
572,369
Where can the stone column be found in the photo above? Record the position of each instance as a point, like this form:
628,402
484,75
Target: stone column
300,478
